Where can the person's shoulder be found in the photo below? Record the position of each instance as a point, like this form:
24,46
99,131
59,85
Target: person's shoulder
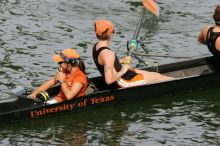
107,52
206,28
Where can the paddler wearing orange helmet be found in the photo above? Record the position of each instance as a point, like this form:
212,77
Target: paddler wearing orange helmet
116,72
70,75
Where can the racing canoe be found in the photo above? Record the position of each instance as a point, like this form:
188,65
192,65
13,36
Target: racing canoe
190,75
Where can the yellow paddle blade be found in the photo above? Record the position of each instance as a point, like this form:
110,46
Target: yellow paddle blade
151,5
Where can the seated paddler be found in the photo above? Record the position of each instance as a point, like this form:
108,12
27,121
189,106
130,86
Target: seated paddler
210,35
117,72
70,77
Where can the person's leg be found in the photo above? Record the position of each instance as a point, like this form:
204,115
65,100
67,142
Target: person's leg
153,77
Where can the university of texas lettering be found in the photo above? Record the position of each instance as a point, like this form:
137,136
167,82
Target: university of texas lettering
102,99
71,106
45,111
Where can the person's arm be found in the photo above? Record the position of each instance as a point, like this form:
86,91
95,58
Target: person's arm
76,86
202,35
217,44
71,93
107,57
46,85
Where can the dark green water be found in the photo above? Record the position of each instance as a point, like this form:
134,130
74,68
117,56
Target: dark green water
32,30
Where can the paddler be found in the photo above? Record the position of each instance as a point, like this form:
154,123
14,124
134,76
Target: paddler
209,35
118,73
70,76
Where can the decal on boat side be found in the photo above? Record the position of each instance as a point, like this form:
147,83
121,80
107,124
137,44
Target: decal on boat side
45,111
69,107
102,99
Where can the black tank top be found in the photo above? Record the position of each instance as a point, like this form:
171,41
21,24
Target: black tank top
211,38
95,53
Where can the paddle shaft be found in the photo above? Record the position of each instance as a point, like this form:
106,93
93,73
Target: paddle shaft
157,55
153,8
136,34
141,60
138,28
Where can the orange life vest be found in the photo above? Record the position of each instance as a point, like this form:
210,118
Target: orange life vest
77,76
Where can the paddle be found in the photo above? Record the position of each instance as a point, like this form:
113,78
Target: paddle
153,8
19,90
42,97
157,55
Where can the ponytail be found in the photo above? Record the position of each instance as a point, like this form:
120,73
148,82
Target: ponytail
78,62
81,66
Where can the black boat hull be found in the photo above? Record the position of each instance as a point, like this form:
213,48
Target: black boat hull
195,74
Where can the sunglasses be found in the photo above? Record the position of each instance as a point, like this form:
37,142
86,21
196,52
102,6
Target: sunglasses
60,62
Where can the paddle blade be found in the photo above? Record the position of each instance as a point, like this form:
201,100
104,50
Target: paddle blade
151,5
18,91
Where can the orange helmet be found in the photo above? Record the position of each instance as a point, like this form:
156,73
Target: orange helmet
67,55
102,26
